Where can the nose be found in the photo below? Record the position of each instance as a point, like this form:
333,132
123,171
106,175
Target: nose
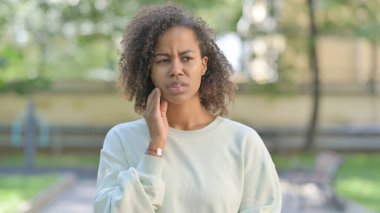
177,68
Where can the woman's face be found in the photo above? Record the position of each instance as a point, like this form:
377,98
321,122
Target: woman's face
178,66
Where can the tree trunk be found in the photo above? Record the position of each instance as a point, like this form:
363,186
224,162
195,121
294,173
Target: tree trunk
313,63
372,84
374,66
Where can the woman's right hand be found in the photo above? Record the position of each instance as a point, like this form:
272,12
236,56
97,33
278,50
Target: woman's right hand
155,117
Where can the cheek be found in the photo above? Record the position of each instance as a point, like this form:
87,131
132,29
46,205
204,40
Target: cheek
156,79
153,75
195,67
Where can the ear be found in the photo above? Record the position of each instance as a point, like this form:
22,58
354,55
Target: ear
204,64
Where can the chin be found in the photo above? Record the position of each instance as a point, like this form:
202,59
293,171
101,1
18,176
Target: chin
175,100
181,98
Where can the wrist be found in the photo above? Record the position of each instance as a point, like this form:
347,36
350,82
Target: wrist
157,143
154,151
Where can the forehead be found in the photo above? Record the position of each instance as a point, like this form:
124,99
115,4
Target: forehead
181,38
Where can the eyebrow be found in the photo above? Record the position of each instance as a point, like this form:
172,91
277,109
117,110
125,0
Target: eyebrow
168,55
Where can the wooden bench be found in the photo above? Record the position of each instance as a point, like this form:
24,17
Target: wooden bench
322,175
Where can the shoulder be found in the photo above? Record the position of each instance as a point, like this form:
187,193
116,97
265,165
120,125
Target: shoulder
128,131
136,126
245,136
254,150
238,129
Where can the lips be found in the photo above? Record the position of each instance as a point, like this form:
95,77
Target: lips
177,87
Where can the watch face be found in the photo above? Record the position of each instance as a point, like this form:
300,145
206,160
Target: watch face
159,151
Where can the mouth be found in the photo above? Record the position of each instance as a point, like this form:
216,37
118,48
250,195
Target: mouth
177,87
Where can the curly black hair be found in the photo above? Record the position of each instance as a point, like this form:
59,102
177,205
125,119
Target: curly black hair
138,45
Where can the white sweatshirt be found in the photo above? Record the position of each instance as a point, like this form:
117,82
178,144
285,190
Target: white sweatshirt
223,167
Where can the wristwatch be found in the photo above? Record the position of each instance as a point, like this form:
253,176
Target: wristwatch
156,151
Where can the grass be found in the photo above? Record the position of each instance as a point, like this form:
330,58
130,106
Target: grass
43,159
14,189
357,180
283,162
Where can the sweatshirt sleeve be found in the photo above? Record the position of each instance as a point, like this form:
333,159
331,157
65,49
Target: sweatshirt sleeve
123,188
262,191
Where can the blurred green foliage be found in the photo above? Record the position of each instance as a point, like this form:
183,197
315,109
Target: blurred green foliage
65,40
61,40
351,18
25,86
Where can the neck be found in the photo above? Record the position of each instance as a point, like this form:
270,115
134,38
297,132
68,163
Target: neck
188,117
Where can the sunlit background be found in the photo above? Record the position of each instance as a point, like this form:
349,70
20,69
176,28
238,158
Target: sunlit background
59,95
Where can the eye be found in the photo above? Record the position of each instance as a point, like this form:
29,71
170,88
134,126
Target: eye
187,58
163,61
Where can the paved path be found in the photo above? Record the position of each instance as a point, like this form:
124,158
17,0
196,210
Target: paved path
307,199
295,205
77,199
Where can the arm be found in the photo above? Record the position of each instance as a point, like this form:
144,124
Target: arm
122,188
262,192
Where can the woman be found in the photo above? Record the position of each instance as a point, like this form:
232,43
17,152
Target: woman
183,156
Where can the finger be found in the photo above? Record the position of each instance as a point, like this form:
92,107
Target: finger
155,102
149,105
